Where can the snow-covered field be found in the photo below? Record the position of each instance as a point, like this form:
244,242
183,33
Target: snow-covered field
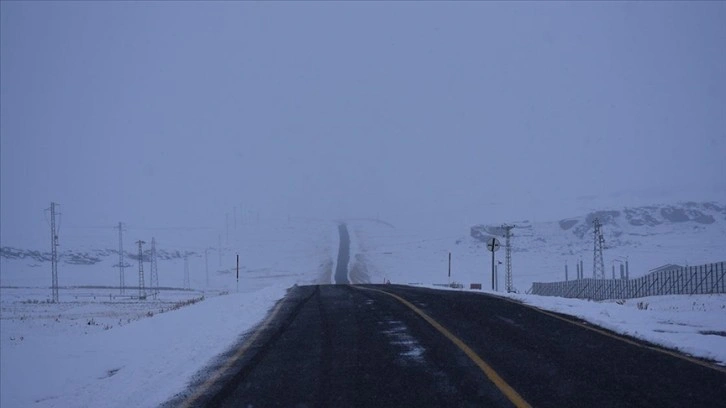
98,343
694,325
98,347
57,363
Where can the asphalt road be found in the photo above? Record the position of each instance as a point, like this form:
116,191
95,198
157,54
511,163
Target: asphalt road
341,269
356,346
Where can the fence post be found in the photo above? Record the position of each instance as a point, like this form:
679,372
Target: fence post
628,291
675,281
650,285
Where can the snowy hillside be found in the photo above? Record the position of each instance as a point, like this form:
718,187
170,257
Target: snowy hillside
268,251
650,236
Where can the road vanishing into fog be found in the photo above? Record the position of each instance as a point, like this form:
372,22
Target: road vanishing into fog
341,269
400,346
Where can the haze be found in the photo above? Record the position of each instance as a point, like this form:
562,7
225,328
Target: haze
164,114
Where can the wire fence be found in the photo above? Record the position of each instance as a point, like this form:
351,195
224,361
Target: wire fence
691,280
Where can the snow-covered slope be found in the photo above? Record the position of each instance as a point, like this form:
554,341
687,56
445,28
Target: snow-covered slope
650,236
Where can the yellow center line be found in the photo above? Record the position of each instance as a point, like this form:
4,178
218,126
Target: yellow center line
240,352
505,388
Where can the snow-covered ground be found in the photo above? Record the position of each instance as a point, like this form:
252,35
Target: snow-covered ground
694,325
141,363
98,343
98,347
645,236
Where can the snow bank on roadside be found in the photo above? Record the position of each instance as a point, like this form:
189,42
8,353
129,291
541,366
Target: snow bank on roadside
694,325
140,364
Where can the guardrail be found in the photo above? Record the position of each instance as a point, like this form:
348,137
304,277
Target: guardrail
692,280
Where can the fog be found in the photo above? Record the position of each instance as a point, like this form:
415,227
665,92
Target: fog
172,114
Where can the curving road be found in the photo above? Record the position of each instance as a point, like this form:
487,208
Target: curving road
398,346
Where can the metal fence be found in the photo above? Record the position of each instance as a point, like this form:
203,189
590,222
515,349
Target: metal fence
691,280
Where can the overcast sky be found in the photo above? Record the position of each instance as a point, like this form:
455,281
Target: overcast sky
169,114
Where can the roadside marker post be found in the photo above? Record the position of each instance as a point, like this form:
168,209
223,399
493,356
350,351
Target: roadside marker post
493,246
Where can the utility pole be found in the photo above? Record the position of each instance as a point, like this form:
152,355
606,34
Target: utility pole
54,227
493,246
627,269
598,268
142,286
187,285
508,257
154,281
449,268
121,284
206,265
493,273
566,277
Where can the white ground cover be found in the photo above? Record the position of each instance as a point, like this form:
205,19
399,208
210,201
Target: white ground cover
98,348
694,325
138,364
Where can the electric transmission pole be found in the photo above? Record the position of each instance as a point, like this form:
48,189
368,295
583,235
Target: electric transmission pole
142,286
508,257
186,270
206,265
121,257
154,281
54,227
598,268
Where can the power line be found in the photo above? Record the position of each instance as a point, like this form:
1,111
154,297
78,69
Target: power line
54,229
186,270
122,284
598,268
508,257
142,286
206,265
154,281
